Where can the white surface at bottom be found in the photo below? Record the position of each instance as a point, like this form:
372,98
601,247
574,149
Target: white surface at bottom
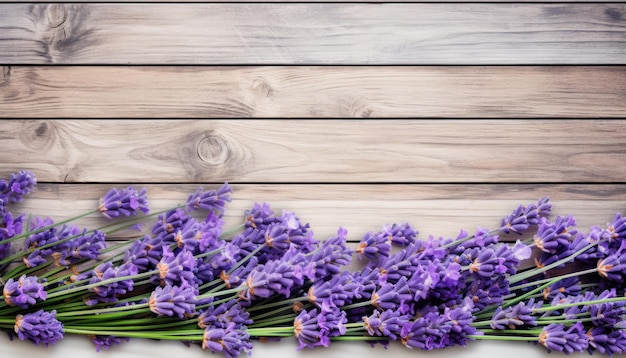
74,346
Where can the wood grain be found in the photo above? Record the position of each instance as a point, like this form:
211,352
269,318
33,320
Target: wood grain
312,92
432,209
313,33
309,151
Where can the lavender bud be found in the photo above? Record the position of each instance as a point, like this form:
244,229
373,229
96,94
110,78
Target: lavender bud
230,341
555,337
39,327
20,184
173,301
123,202
24,292
210,200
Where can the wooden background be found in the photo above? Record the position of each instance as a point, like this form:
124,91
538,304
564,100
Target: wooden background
445,115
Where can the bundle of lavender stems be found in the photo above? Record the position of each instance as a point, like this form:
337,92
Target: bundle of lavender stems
189,279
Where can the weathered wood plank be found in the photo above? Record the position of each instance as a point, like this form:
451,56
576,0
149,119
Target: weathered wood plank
306,151
202,92
313,33
432,209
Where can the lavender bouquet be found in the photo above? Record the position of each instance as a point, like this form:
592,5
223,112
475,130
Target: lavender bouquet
188,279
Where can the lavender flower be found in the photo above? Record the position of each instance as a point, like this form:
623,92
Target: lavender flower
400,234
85,246
386,323
171,301
607,314
9,227
427,332
553,237
39,327
315,327
145,253
210,200
613,267
123,202
19,184
520,315
556,337
524,216
176,269
109,292
228,314
331,255
24,292
617,227
606,340
485,264
338,290
375,247
230,341
170,222
260,216
568,286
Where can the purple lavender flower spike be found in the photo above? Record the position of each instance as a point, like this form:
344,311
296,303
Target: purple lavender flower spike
524,216
485,264
9,227
108,293
617,227
231,342
606,340
176,269
607,314
277,237
516,316
19,184
386,323
171,301
210,200
228,314
260,216
613,267
568,286
331,255
39,327
24,292
123,202
553,237
555,337
85,246
315,327
400,234
374,247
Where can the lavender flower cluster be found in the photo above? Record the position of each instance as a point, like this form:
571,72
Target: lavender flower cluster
187,278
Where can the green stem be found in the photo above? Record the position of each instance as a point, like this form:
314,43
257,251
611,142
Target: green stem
581,303
530,273
163,335
503,338
278,303
100,311
551,279
41,229
101,283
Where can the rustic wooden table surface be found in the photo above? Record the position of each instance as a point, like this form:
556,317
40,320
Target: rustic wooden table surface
354,114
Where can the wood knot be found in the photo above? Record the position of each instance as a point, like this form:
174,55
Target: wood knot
57,15
224,157
263,87
213,150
